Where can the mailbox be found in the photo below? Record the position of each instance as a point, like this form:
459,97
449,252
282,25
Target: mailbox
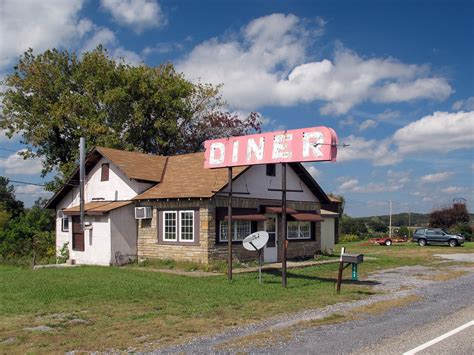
353,258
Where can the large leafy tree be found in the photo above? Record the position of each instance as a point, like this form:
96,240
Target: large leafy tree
54,98
9,205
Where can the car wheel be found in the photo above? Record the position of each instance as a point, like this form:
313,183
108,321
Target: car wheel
452,243
421,242
388,242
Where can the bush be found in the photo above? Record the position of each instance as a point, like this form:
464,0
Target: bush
349,238
463,229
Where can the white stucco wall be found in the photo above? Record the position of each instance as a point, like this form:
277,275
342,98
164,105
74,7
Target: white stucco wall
256,181
124,233
327,234
97,249
98,246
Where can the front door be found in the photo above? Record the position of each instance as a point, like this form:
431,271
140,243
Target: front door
77,234
270,250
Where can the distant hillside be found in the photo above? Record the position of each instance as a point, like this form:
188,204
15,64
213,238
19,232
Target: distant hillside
401,219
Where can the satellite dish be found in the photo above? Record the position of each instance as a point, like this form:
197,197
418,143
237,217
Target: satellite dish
255,241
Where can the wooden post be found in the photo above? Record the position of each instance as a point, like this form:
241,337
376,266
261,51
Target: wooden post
229,224
339,275
283,222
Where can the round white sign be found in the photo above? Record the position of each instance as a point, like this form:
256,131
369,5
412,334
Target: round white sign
255,241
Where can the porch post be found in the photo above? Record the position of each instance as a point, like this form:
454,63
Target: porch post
229,224
283,222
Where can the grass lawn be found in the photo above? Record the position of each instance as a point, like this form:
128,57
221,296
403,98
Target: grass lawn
105,308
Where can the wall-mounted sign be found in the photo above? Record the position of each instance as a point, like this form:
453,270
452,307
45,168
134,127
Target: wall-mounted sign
299,145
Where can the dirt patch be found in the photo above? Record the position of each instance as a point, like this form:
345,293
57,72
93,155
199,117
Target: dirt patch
465,257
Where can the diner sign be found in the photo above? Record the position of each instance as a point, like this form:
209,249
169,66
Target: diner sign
299,145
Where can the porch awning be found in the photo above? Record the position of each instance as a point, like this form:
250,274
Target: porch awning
306,217
279,210
96,207
247,217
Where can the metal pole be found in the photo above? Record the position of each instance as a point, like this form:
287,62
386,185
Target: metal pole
260,266
229,224
82,153
390,227
409,223
283,223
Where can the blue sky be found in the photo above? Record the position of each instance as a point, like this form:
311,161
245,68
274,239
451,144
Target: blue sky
393,78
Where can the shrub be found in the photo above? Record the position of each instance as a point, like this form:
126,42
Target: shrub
348,238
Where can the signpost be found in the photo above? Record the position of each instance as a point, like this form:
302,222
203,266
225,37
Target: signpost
281,147
255,242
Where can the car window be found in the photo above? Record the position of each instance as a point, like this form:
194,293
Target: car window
419,231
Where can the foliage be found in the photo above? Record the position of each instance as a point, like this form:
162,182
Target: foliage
8,201
377,225
63,254
54,98
403,230
351,225
463,229
5,216
348,238
449,216
28,235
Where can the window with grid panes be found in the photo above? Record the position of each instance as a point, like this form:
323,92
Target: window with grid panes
169,225
186,222
240,229
299,230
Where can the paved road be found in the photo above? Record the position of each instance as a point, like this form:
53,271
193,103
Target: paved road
445,306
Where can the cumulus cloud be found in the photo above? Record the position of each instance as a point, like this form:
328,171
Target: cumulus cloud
39,25
453,190
379,152
15,164
441,132
368,124
466,105
394,181
137,14
437,177
266,64
105,37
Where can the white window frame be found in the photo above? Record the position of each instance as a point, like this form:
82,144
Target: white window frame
180,225
176,226
234,230
299,231
63,229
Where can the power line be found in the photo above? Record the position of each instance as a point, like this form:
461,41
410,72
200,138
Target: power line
25,182
8,150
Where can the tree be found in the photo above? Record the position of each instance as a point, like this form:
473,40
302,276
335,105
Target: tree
54,98
9,204
351,225
377,225
449,216
28,235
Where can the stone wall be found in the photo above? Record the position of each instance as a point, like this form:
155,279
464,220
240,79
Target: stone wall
150,248
208,249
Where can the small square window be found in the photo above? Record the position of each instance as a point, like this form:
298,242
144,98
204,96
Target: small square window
65,224
271,170
104,176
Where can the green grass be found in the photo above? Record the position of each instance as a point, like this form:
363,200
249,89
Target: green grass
121,306
105,308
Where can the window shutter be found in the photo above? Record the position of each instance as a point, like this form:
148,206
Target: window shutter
105,172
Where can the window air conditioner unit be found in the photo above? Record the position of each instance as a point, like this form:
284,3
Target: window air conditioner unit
142,212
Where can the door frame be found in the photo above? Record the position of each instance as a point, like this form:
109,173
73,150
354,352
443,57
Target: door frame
270,254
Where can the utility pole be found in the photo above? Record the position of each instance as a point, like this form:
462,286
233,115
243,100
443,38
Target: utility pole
82,153
229,224
409,222
390,226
